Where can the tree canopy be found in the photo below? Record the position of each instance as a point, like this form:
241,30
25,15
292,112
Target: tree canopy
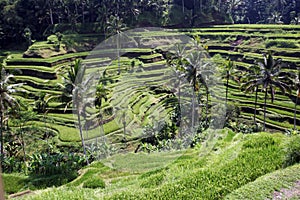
44,16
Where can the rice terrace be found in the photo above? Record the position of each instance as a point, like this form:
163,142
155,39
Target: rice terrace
165,99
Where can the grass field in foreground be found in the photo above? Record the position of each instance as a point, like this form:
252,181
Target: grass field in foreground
224,166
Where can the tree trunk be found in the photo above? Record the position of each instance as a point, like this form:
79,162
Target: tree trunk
206,118
193,110
1,136
47,134
81,134
118,53
295,112
183,6
265,105
256,91
51,16
23,146
83,14
227,82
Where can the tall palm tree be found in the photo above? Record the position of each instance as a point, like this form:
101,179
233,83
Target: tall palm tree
248,85
192,71
115,25
270,79
196,74
178,63
6,98
101,94
297,86
229,74
76,87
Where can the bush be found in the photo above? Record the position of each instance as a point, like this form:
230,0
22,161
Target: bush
281,44
94,182
292,151
58,163
42,182
12,164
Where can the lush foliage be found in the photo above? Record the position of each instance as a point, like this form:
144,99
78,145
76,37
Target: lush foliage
28,20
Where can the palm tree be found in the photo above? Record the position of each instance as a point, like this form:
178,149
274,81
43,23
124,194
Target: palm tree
75,88
41,105
229,74
101,94
192,71
248,86
6,100
115,25
178,64
203,82
297,86
269,78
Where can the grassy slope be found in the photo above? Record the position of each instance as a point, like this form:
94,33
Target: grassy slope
226,165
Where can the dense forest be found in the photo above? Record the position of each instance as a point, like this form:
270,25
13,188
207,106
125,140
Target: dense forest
18,17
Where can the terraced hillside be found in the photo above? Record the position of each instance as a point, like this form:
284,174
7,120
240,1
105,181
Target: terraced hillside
245,44
131,104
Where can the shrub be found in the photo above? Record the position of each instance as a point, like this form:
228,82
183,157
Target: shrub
42,182
58,163
12,164
281,44
94,182
292,151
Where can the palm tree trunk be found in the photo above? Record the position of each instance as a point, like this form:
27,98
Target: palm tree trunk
47,134
1,136
183,6
227,82
295,111
206,118
265,105
193,110
81,134
23,146
256,91
118,53
51,16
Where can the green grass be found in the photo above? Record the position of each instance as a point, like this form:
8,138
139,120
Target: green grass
19,58
264,187
32,67
14,183
224,166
